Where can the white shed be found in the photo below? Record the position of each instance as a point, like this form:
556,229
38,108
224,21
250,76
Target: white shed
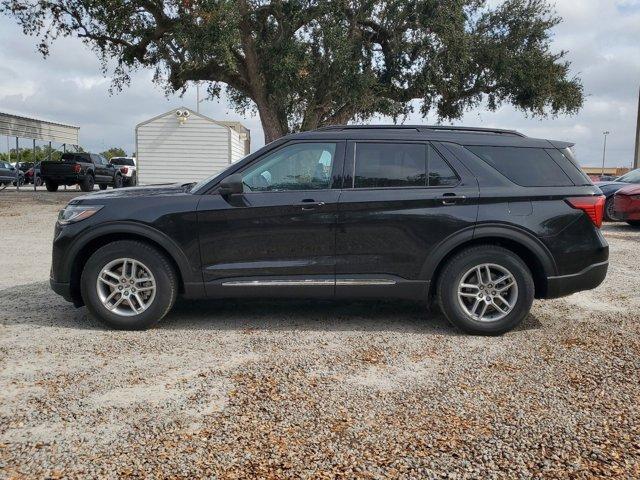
184,146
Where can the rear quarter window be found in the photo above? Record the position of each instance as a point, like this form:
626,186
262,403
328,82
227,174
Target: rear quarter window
528,167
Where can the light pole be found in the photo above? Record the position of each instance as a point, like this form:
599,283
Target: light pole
604,150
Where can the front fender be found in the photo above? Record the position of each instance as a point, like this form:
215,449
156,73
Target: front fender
190,274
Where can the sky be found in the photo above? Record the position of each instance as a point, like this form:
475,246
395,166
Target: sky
602,38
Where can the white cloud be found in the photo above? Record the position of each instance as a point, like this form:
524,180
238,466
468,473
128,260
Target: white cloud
600,35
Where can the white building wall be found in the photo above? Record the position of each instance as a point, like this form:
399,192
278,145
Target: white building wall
237,146
169,152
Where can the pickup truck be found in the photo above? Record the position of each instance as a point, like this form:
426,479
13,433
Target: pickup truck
84,169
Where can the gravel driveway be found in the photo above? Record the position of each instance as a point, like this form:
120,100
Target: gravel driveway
312,389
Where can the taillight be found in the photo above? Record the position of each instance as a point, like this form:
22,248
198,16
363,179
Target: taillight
592,206
124,170
77,168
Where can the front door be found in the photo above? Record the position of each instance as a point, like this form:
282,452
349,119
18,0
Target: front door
277,237
401,199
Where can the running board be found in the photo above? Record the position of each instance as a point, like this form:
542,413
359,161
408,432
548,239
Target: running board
307,283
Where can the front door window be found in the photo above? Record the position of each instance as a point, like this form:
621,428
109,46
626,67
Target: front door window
303,166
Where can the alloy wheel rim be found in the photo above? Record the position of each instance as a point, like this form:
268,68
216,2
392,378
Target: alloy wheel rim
126,287
487,292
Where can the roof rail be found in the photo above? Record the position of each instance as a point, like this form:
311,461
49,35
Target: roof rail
421,128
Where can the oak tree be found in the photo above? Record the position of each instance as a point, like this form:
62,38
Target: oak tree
303,64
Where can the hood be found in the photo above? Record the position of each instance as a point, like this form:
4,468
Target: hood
135,192
606,183
633,189
609,188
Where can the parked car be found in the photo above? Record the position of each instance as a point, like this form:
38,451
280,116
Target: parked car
29,175
8,175
611,187
627,205
24,166
84,169
128,169
483,221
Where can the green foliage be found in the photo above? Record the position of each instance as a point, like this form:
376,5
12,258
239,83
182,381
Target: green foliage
26,154
302,64
113,152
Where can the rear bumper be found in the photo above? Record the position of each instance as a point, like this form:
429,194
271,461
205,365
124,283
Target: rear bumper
586,279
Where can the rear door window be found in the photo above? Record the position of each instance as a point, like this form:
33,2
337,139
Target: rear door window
528,167
385,165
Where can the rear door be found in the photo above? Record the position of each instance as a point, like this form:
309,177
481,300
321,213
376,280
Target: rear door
401,199
101,168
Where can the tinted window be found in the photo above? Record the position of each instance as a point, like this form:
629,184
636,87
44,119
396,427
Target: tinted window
572,169
123,161
400,165
390,165
303,166
529,167
440,173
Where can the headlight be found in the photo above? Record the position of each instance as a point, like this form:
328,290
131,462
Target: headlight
75,213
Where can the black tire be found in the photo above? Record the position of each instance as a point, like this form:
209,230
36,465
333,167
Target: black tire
453,273
133,181
634,223
51,186
103,186
117,181
156,262
86,185
609,214
39,182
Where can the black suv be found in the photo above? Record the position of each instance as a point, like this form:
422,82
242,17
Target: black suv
482,220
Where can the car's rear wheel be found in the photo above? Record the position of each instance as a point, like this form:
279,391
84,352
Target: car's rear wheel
129,285
609,212
87,183
51,186
38,181
103,186
485,290
117,181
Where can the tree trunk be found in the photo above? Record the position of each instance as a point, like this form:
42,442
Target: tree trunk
271,125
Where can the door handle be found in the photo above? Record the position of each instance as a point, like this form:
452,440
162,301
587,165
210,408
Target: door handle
451,198
310,204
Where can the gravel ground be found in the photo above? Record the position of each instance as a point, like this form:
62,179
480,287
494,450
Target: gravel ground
312,389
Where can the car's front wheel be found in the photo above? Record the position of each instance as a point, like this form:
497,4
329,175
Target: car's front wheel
485,290
129,285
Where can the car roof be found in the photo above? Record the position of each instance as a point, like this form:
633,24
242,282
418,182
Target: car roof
437,133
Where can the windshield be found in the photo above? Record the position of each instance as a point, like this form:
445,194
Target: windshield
196,188
630,177
122,161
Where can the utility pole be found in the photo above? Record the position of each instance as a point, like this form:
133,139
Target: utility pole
636,156
198,101
604,150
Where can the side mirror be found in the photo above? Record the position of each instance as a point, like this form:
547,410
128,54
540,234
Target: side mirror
231,185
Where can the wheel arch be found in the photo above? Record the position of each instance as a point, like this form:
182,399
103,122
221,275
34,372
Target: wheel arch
530,249
86,245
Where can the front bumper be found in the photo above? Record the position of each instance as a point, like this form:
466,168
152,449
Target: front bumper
586,279
62,289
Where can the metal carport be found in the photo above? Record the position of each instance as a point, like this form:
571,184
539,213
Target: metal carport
21,126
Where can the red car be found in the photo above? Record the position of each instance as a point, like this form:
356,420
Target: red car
627,205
